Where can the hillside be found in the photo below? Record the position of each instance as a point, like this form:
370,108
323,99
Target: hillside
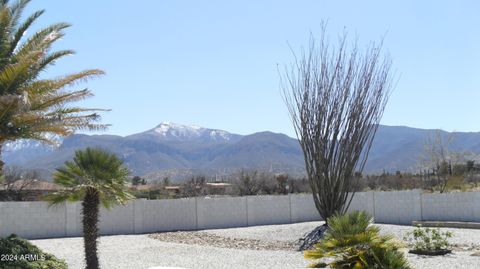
178,151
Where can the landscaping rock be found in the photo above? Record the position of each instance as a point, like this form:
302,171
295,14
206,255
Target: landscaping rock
476,254
311,238
208,239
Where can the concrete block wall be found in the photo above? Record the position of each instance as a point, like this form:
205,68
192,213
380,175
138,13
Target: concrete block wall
363,201
165,215
32,219
117,220
451,206
398,207
73,224
303,208
38,220
215,213
263,210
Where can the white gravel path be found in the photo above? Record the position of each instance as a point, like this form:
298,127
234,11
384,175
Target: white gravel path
140,251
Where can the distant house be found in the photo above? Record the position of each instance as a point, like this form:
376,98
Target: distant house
187,190
219,188
173,190
27,190
146,187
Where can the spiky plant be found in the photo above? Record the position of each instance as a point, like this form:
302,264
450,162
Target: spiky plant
32,107
94,177
353,242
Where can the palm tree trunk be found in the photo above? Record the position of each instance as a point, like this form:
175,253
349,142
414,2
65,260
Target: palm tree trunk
90,227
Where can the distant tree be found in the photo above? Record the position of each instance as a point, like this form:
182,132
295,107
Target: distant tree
16,181
136,180
459,169
166,181
470,165
298,185
282,181
194,187
438,158
471,172
96,178
32,107
385,182
247,183
267,184
336,98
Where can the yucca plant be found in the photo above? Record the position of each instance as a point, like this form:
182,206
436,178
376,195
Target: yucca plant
32,107
351,241
96,178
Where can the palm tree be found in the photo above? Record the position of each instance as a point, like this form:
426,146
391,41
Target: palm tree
353,242
94,177
32,107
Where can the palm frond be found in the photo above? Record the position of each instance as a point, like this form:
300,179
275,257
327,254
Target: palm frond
16,10
353,242
30,107
13,76
21,30
48,87
51,58
41,40
5,29
60,99
68,195
98,170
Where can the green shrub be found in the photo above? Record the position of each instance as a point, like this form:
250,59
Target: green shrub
19,253
428,239
352,242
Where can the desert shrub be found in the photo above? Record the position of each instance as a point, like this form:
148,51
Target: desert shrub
265,183
351,241
194,187
425,240
19,253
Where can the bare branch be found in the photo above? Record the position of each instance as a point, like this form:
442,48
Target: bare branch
336,97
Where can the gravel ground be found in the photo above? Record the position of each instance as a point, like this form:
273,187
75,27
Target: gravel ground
249,247
291,232
141,252
462,237
214,240
285,232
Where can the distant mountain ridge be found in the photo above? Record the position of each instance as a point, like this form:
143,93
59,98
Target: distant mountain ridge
170,131
179,151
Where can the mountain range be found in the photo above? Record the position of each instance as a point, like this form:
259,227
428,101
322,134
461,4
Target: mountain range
179,151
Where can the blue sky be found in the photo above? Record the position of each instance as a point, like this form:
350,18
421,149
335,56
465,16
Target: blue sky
214,63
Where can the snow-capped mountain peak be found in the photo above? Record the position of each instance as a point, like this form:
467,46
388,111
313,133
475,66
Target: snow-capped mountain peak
165,128
173,131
